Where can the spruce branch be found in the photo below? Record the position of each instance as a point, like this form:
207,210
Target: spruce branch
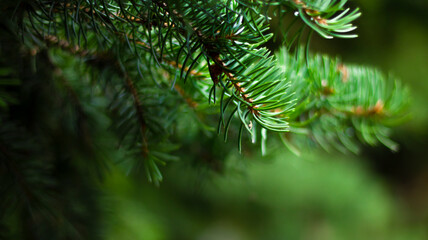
103,60
328,17
217,48
342,102
140,114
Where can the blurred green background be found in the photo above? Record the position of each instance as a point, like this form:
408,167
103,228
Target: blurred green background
377,195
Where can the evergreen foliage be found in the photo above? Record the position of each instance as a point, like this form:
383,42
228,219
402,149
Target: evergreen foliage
77,76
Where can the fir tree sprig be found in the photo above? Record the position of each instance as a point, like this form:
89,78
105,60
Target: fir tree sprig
329,18
341,103
217,48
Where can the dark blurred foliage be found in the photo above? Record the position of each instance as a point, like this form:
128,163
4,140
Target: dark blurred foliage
213,192
393,36
47,166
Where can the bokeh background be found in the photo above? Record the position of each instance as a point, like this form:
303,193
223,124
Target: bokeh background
212,194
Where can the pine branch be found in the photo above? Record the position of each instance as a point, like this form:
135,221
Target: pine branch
140,114
328,17
343,101
216,46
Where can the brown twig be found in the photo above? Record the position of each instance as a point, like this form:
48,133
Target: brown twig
311,12
183,94
140,113
376,110
217,71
